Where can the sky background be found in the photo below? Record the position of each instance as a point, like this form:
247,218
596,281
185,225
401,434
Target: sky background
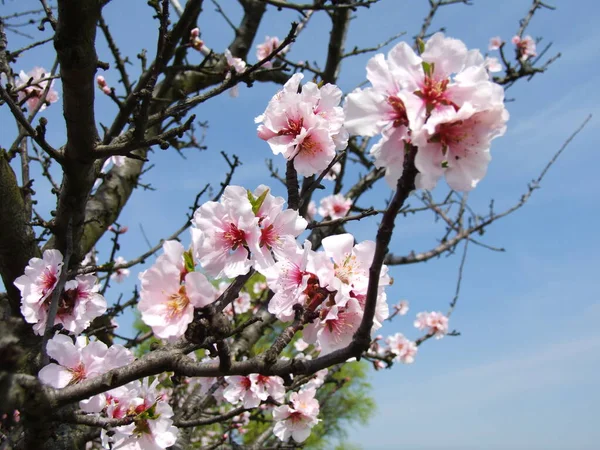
524,372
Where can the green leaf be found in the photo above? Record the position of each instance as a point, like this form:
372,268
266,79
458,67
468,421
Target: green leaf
427,68
257,202
189,261
420,45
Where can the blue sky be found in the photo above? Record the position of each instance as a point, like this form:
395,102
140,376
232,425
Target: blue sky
524,373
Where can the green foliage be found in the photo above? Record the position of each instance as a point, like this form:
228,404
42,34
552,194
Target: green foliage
344,402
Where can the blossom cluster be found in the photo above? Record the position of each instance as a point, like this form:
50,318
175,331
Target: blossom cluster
330,284
149,425
442,102
79,302
32,85
524,46
305,125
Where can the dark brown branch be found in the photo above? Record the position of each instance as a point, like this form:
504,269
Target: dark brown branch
210,420
281,4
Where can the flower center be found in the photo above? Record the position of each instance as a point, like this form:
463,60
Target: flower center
77,374
178,302
449,134
48,281
235,237
308,145
399,116
293,129
433,93
67,300
268,236
346,270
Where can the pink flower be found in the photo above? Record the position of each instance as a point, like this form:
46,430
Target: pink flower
253,389
169,294
287,279
493,65
301,345
79,361
79,304
34,90
299,277
411,92
435,322
266,387
457,145
525,47
276,226
119,275
195,42
495,43
335,206
103,85
305,127
38,282
333,172
336,328
266,48
404,349
239,65
240,305
153,427
351,273
228,228
311,211
402,307
296,421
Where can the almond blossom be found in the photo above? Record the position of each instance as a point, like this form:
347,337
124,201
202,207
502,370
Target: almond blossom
169,294
80,361
296,419
152,426
351,268
333,172
404,349
525,47
457,146
33,90
492,64
402,307
119,275
238,65
335,206
412,92
299,277
266,48
306,127
276,226
253,389
38,282
78,304
101,82
227,229
495,43
435,322
336,327
195,41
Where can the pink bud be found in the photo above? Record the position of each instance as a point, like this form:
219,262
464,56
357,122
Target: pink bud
106,90
101,81
195,33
